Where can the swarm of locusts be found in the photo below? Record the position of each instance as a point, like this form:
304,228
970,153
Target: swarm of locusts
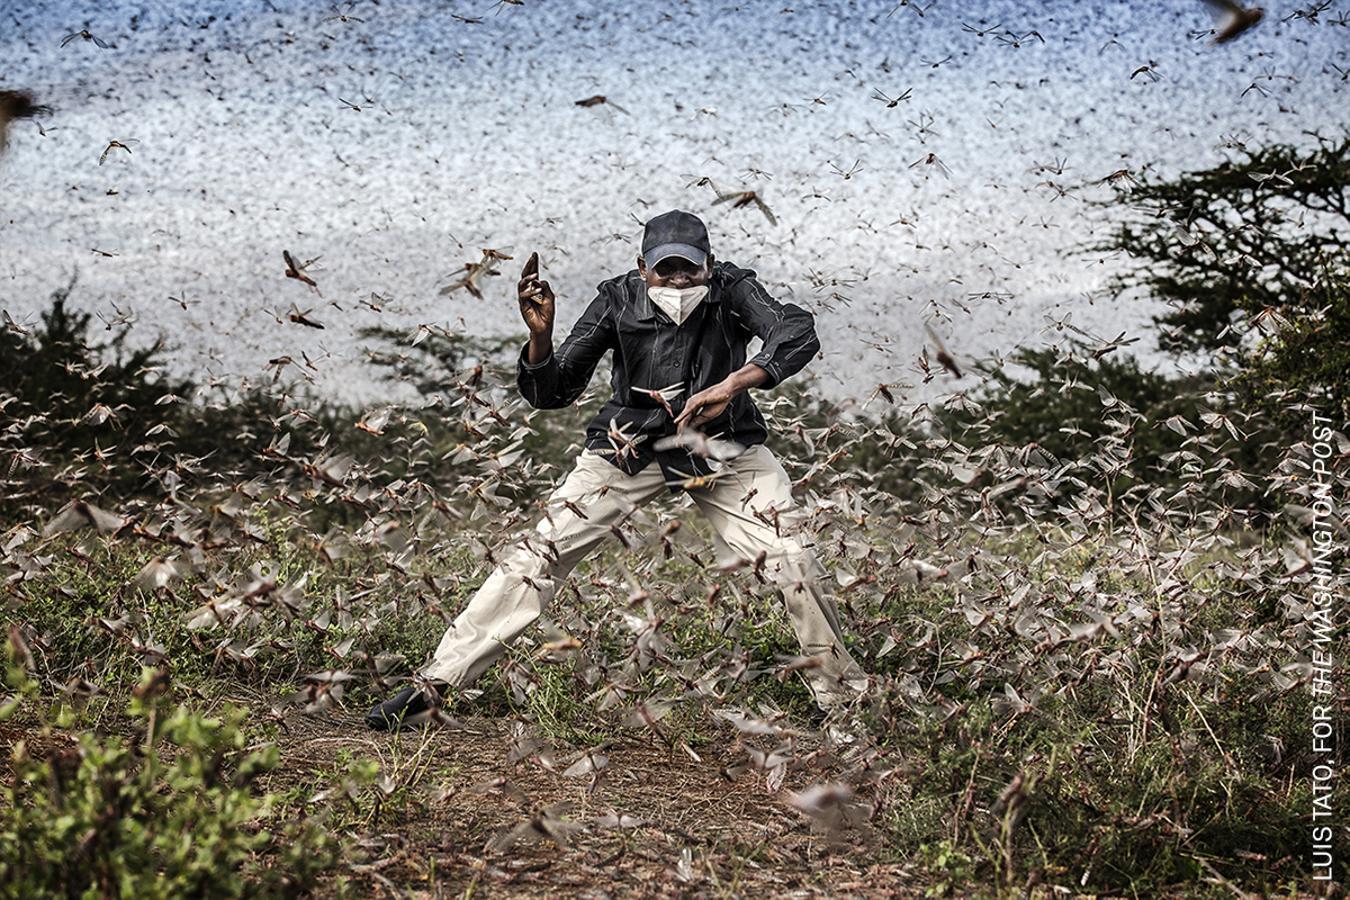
1008,582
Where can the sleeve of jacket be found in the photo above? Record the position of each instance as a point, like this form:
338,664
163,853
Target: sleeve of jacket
561,378
787,330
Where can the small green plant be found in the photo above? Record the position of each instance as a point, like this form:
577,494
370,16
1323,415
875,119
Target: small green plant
169,813
948,865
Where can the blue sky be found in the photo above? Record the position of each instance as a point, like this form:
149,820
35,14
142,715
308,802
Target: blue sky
244,142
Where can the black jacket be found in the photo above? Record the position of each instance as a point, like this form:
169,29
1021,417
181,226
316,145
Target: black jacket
651,351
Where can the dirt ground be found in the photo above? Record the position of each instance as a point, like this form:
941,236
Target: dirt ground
688,828
701,834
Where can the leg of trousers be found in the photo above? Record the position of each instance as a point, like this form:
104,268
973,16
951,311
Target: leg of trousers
751,509
525,582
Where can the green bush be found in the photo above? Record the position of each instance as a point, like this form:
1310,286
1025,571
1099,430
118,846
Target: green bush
169,814
97,418
1304,352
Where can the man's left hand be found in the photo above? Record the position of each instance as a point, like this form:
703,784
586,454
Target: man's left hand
706,405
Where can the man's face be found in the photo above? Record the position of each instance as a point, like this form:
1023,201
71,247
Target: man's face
676,272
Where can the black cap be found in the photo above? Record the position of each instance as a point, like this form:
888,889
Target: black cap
675,233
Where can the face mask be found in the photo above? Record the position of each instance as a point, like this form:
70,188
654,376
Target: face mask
677,303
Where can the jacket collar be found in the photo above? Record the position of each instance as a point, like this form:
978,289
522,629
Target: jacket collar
646,309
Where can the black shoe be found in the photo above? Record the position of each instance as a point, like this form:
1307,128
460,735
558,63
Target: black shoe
408,707
816,717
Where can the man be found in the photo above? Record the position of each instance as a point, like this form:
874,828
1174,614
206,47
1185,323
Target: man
678,325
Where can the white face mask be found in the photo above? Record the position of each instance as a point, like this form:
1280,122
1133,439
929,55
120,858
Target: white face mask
678,303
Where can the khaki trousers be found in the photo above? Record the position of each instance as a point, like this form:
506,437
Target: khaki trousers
520,589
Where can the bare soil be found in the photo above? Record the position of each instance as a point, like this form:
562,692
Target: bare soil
702,834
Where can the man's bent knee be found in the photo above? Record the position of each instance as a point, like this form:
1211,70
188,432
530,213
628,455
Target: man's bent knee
789,562
528,561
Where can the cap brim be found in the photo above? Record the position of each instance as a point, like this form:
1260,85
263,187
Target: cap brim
665,251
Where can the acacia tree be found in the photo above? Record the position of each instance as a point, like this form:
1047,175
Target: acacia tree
1251,256
1265,233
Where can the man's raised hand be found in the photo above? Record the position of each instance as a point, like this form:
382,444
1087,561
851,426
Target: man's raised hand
536,298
